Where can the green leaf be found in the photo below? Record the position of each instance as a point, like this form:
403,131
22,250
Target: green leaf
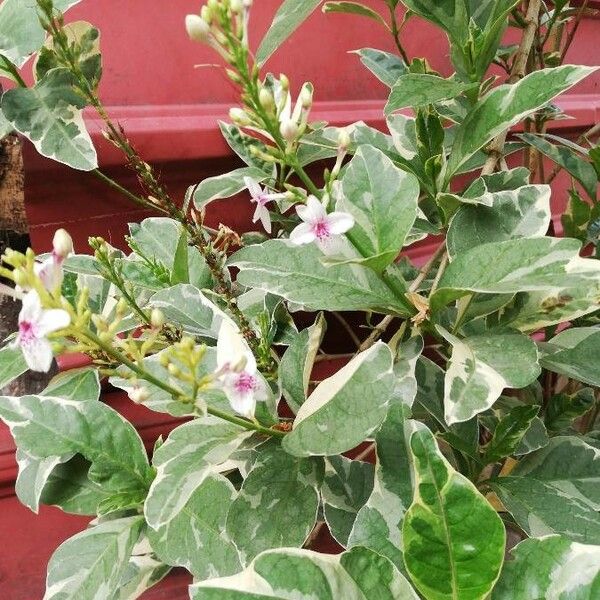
277,504
453,538
191,453
44,426
158,238
521,265
75,384
353,8
225,186
551,567
93,561
12,365
567,464
575,353
536,437
142,572
187,307
506,105
35,473
345,408
50,115
540,511
383,201
297,274
415,90
21,33
297,363
288,18
577,216
535,310
290,574
481,367
563,409
580,168
70,488
385,66
196,539
243,144
346,488
378,525
510,432
513,214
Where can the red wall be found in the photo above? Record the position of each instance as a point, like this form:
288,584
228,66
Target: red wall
170,111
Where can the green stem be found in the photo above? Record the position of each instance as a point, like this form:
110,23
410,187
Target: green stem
9,68
121,358
396,34
117,186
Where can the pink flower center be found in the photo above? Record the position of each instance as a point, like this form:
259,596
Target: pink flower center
321,229
262,199
26,332
244,383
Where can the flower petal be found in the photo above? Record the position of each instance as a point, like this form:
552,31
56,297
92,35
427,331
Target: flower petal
265,219
253,187
312,211
38,354
340,222
32,307
303,234
51,320
50,273
232,349
243,404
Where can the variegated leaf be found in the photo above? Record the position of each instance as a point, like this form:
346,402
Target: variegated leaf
297,274
277,504
196,539
225,186
453,538
345,408
50,115
552,568
12,365
385,66
90,565
290,574
378,524
190,454
481,367
297,363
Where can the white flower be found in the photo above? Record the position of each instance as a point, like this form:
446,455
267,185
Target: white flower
319,226
50,271
197,28
261,197
237,372
35,323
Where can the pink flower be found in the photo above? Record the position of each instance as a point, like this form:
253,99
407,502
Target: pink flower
262,197
35,323
318,226
237,372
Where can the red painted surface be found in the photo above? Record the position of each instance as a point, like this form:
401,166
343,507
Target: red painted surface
170,111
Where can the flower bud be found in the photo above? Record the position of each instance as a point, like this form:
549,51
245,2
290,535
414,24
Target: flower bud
306,96
289,130
174,370
284,81
197,28
247,3
157,318
20,278
139,394
266,98
213,5
239,116
344,140
206,14
236,6
62,244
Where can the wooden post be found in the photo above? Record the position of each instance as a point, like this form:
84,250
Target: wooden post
13,234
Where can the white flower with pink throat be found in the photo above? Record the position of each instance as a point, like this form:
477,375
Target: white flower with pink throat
236,370
50,271
262,197
319,226
35,324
